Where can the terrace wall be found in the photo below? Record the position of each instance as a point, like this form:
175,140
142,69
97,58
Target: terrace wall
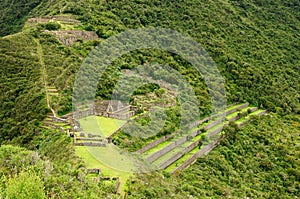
90,144
154,143
246,120
214,123
175,157
202,151
166,149
239,107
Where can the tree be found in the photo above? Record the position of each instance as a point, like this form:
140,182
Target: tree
25,185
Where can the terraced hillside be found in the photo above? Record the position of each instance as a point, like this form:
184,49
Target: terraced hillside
255,45
179,151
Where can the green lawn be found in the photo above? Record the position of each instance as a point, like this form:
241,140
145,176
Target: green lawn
100,125
109,160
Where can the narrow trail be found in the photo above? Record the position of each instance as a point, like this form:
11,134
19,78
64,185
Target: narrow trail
44,74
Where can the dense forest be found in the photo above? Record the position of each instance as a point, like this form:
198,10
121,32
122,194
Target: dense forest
255,45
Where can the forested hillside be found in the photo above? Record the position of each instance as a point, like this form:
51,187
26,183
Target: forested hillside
14,14
258,161
254,43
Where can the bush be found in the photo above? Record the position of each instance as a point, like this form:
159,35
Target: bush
52,26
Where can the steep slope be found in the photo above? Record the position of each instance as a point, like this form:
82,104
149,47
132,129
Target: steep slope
260,160
254,43
22,98
14,14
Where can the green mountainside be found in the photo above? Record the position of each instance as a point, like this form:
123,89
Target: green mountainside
254,43
14,14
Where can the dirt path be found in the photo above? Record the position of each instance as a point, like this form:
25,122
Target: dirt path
44,74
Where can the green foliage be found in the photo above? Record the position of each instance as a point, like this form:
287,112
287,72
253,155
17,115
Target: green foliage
24,174
14,14
255,46
260,160
25,185
61,64
22,100
52,26
253,43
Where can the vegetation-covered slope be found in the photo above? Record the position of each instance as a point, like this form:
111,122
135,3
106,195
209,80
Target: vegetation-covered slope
22,99
255,45
13,14
259,161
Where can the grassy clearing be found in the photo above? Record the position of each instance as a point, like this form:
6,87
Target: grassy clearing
103,158
109,159
109,125
100,125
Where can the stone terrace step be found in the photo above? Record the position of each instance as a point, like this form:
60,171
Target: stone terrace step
229,110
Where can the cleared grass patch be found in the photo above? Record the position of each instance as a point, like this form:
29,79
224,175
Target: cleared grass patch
100,125
96,156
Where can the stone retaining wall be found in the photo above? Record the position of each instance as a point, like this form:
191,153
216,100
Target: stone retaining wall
214,132
178,155
246,120
90,139
202,151
94,171
239,107
199,122
90,144
214,123
154,143
166,149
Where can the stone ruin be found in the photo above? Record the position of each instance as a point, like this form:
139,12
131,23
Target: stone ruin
114,109
69,37
62,19
91,140
107,108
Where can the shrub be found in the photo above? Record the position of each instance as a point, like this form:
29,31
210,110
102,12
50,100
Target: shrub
52,26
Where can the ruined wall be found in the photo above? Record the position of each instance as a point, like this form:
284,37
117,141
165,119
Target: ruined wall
68,37
166,149
175,157
201,152
154,143
90,144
